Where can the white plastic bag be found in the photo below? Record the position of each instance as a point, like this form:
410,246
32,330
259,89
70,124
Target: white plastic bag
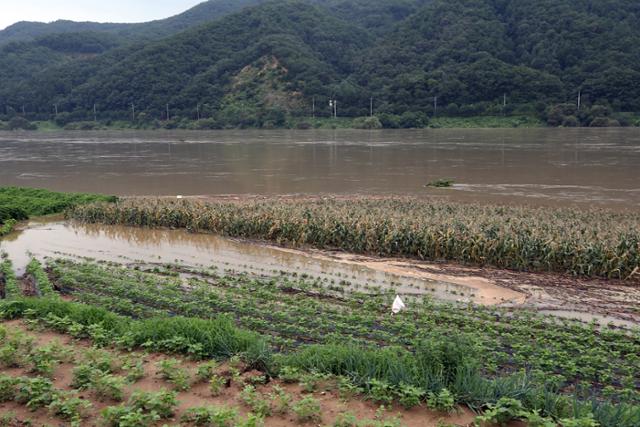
398,305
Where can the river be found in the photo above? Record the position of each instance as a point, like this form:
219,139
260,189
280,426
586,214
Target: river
594,167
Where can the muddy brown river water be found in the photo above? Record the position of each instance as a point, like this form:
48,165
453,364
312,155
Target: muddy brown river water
598,167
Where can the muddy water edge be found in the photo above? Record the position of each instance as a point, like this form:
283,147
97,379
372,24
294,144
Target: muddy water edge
584,300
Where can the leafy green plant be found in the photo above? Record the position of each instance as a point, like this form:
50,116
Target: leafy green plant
206,370
307,410
7,388
162,403
587,421
257,402
69,407
123,416
107,385
281,400
408,395
170,370
443,401
505,410
347,389
134,370
380,391
289,374
35,392
211,416
216,385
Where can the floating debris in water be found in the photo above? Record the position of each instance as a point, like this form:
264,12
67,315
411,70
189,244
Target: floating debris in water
441,183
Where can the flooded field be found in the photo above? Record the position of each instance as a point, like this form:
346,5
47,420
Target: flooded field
140,246
562,296
533,166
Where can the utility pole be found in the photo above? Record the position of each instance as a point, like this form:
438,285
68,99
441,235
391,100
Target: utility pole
168,112
133,112
371,106
23,111
55,107
435,106
579,99
313,107
198,111
504,104
95,113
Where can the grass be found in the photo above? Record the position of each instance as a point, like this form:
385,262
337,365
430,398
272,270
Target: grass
580,242
17,204
20,203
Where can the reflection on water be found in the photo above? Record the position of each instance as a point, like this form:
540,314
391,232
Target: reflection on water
140,245
538,166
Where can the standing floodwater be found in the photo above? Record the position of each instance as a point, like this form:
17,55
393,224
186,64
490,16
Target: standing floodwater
537,166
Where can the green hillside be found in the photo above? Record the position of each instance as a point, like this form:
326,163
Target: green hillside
415,58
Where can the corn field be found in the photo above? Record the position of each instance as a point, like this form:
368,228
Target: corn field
581,242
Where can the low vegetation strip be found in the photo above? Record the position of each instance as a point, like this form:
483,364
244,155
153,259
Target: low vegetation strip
17,204
20,203
587,243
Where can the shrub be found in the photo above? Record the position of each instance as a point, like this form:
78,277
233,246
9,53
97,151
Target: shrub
367,123
20,123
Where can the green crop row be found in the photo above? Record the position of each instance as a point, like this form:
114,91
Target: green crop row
442,361
8,282
296,311
589,243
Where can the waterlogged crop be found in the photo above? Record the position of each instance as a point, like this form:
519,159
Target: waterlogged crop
590,243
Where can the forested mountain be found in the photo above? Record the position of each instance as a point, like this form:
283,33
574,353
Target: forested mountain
253,62
202,13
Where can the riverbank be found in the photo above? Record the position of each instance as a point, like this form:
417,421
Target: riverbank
301,123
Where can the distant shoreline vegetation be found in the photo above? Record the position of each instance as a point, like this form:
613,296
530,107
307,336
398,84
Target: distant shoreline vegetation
558,116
